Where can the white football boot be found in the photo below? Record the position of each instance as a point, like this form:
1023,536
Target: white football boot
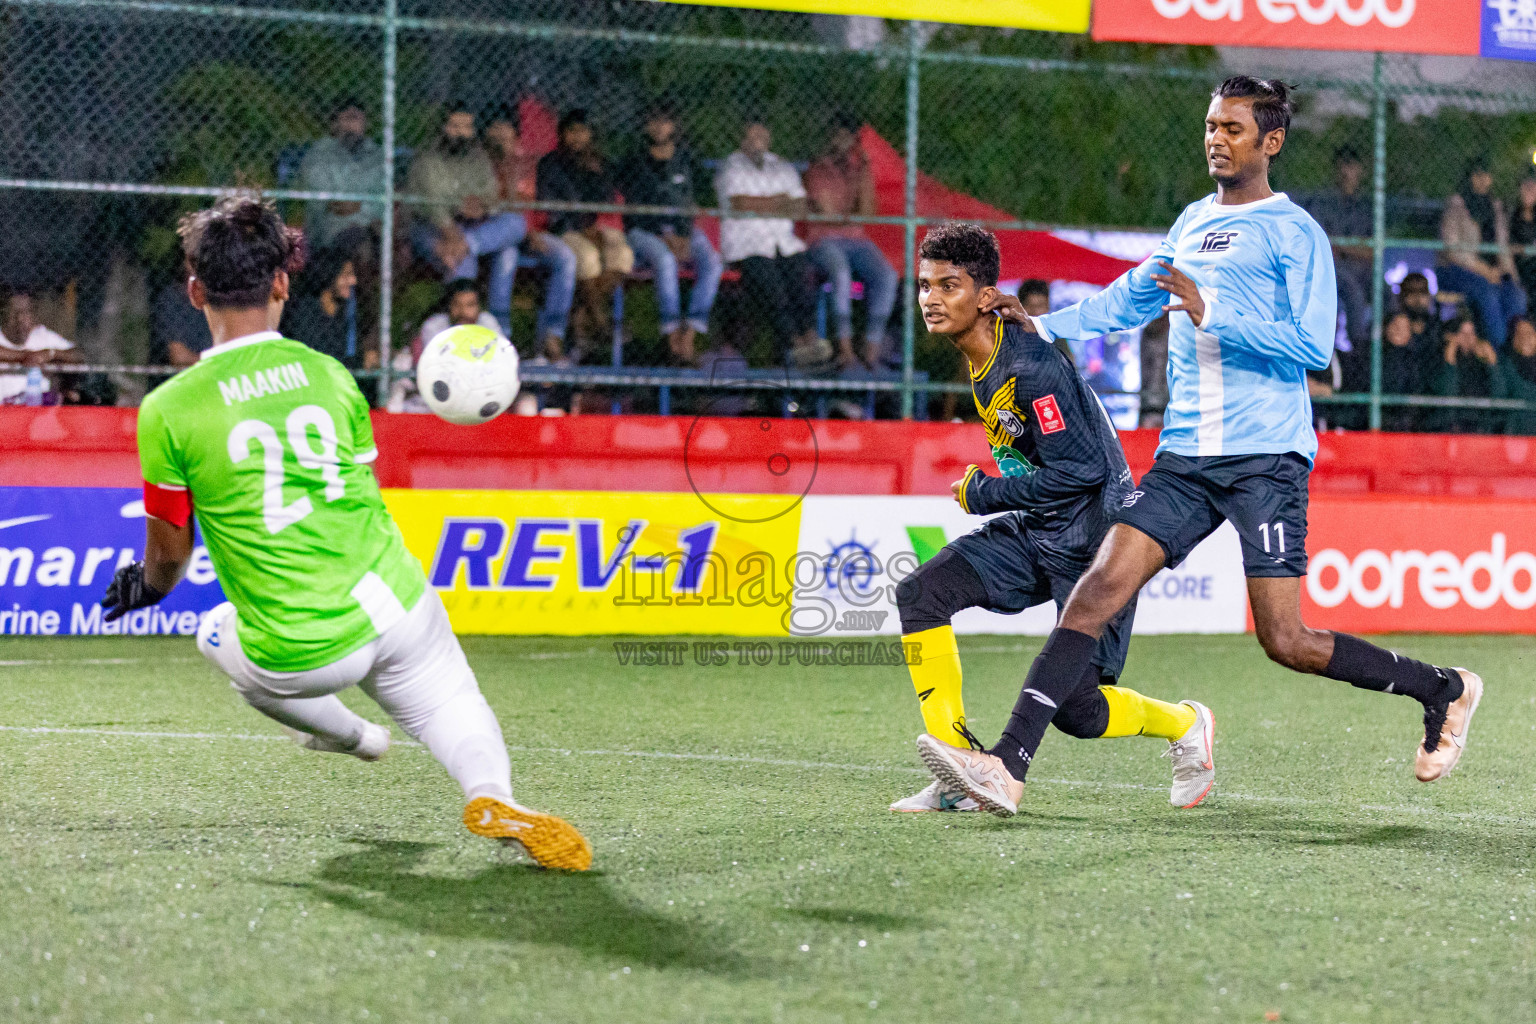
975,772
1435,764
1193,755
372,746
935,797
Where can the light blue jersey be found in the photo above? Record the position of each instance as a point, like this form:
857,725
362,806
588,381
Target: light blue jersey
1237,384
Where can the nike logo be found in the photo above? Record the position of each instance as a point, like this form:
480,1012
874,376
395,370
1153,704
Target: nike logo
486,817
479,353
22,521
926,693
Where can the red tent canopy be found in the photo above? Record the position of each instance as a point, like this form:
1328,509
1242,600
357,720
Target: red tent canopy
1026,254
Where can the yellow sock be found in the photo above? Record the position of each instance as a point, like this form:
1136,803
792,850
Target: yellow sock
936,677
1134,714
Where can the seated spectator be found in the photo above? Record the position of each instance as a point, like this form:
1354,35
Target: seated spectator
661,174
344,161
461,306
575,172
178,332
1519,371
516,181
1522,233
1415,299
322,314
840,183
1474,216
25,343
775,271
1035,296
1345,211
1405,365
1468,370
458,226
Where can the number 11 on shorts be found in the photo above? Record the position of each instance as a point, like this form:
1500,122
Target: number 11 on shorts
1279,529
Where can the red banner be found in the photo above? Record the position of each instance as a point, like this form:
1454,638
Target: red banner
1436,565
1405,26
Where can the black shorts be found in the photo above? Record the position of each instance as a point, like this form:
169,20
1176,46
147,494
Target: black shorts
1021,568
1181,501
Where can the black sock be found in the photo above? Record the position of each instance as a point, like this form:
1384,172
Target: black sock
1371,668
1085,714
1057,670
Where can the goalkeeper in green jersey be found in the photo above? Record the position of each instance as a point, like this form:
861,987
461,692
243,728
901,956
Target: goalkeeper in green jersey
269,443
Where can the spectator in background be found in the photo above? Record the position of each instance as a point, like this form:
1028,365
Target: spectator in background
660,173
840,183
1345,211
516,181
178,332
461,307
1415,299
458,226
1519,371
344,161
1474,216
1035,296
1405,364
26,343
1522,233
775,271
321,313
575,172
1468,369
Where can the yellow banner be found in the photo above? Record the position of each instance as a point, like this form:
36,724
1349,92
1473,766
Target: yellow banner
1044,15
575,562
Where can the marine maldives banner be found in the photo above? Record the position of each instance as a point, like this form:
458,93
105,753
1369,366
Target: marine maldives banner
1385,565
1405,26
59,547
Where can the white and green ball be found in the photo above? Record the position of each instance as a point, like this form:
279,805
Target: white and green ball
468,374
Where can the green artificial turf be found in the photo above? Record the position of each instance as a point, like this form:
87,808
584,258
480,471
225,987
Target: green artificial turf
746,865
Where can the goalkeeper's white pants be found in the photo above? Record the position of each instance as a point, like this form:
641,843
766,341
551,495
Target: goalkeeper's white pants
415,670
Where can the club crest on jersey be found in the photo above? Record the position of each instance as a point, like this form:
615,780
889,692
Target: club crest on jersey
1218,241
1049,415
1010,422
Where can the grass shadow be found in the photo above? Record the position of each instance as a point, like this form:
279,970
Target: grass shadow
848,915
1484,846
517,903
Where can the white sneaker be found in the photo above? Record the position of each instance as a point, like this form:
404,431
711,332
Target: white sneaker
978,774
1194,763
934,797
372,746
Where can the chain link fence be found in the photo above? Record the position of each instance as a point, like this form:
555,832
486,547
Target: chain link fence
123,114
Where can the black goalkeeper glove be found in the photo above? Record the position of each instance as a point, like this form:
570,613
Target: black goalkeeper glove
128,592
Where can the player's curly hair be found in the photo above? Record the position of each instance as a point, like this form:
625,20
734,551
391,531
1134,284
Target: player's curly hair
236,246
1272,103
970,247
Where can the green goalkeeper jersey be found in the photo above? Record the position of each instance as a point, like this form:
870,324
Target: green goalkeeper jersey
272,440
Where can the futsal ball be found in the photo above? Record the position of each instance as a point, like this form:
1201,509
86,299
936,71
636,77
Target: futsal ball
468,374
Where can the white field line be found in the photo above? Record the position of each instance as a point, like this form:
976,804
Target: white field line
27,662
90,661
773,762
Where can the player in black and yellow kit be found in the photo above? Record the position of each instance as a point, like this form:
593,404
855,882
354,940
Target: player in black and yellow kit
1063,474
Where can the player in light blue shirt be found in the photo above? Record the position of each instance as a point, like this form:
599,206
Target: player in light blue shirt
1263,271
1247,279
